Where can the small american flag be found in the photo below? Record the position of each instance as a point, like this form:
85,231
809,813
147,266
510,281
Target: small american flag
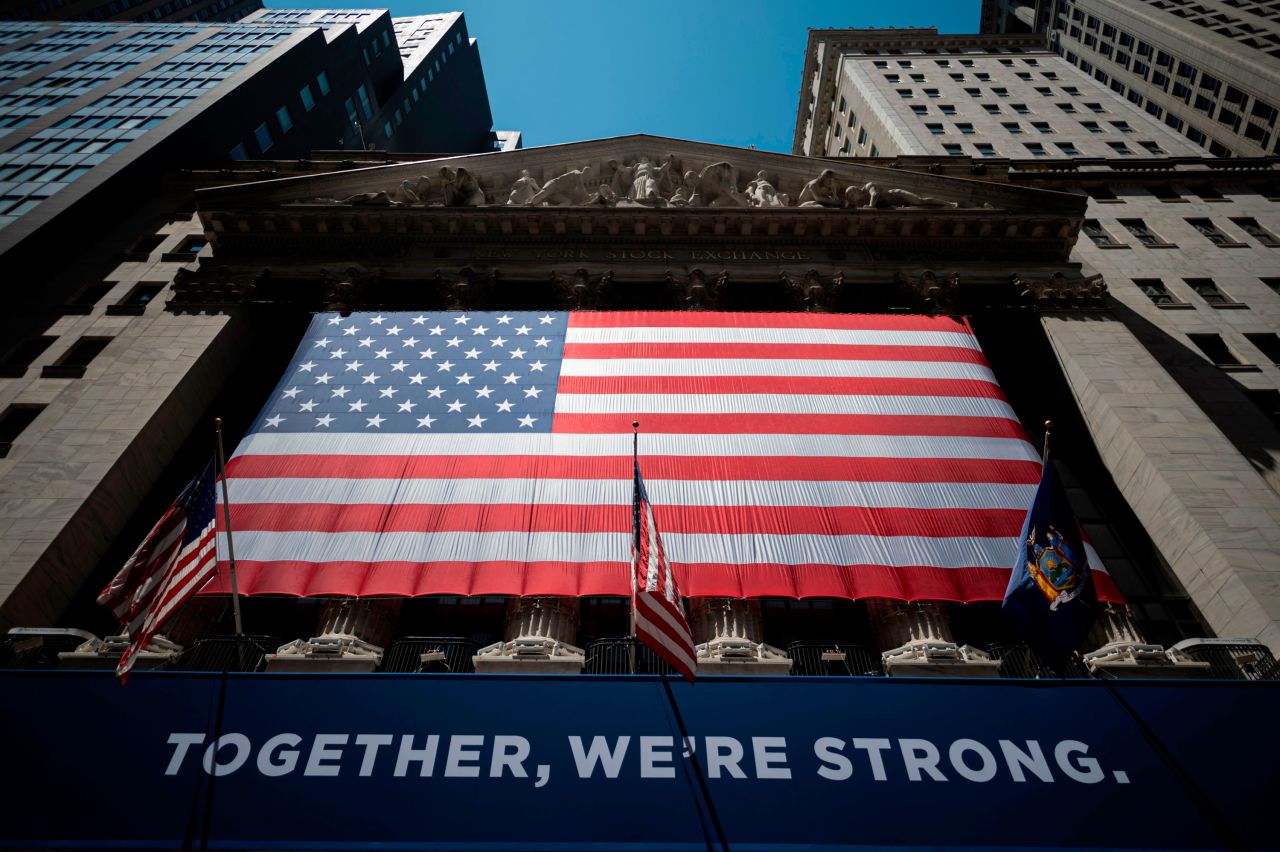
792,455
658,614
172,563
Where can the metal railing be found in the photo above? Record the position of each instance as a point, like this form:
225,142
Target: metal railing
36,648
228,654
1019,661
430,654
816,657
1231,660
613,656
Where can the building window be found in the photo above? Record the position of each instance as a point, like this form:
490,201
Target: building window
1215,348
953,150
1259,233
1042,126
947,109
1154,289
73,362
1120,148
13,421
322,82
973,93
1268,402
875,152
1212,233
965,128
1092,229
1068,149
1012,127
1164,192
238,152
919,109
1268,343
262,133
366,106
1068,108
1095,107
905,93
1142,233
308,102
936,129
1020,109
1036,149
985,149
862,136
16,360
387,130
931,93
992,109
1207,289
1122,126
286,120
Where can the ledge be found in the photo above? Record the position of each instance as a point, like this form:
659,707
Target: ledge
1176,306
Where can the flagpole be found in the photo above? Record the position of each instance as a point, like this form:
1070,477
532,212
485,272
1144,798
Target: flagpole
635,500
226,516
1048,427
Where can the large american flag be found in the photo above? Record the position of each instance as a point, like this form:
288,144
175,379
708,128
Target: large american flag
794,455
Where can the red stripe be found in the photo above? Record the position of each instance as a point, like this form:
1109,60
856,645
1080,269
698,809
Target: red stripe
714,468
576,579
649,610
713,319
727,520
791,424
781,385
796,351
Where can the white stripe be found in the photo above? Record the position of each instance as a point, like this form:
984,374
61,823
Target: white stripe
667,618
781,403
768,334
651,535
1095,561
653,444
898,551
713,367
664,492
645,629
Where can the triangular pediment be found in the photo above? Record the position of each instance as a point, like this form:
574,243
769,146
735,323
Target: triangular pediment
643,172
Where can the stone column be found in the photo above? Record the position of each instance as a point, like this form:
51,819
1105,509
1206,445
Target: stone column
915,640
1123,652
351,635
537,637
727,635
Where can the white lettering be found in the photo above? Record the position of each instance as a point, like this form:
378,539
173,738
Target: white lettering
268,765
766,758
237,741
371,743
957,753
1088,772
463,748
425,756
320,752
599,753
724,753
650,757
873,747
504,759
918,755
828,750
1033,758
181,743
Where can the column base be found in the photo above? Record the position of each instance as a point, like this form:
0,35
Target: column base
1140,660
105,654
929,658
530,655
741,657
326,654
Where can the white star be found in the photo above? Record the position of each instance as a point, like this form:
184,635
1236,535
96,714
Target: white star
435,392
350,331
335,320
506,405
461,320
339,392
546,320
479,330
517,353
491,366
446,366
387,393
528,421
407,405
537,366
464,379
307,367
498,341
510,379
504,319
309,405
532,392
325,420
524,329
427,353
338,353
365,341
382,353
476,421
541,341
457,406
355,365
358,405
395,329
370,378
484,392
376,421
410,342
426,421
378,320
416,379
323,379
274,421
454,341
437,330
292,392
322,342
398,366
472,353
419,320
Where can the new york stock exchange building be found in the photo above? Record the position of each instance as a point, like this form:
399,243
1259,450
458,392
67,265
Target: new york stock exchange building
427,374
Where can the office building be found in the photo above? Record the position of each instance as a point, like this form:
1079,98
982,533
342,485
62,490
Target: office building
1208,70
135,11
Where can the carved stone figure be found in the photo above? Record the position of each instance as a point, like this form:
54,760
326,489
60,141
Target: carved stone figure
821,191
696,290
812,292
568,188
603,196
467,288
371,199
524,189
460,188
870,196
762,194
580,290
714,188
931,292
412,191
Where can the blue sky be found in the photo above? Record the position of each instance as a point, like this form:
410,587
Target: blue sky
724,71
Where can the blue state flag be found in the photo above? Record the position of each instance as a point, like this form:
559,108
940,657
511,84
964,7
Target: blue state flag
1051,596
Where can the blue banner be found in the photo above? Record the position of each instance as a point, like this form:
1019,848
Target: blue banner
574,763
